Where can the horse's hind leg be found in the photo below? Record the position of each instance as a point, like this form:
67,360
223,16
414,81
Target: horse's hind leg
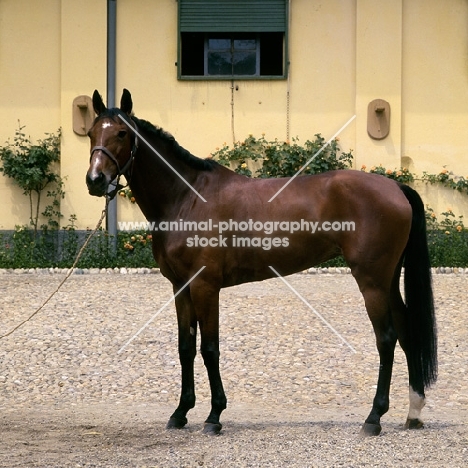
187,350
417,398
378,309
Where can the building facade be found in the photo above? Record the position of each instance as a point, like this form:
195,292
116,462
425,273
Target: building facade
299,67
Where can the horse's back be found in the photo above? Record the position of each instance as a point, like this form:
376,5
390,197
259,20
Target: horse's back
333,189
375,204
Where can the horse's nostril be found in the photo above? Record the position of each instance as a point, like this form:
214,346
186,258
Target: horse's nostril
97,183
94,179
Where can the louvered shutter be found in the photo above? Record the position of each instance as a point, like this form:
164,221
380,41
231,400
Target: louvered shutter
232,15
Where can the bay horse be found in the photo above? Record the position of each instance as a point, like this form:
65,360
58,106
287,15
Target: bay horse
171,185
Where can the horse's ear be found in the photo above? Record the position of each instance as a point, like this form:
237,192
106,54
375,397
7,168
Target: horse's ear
126,103
99,106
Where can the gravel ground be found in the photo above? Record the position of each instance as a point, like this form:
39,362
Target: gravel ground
296,394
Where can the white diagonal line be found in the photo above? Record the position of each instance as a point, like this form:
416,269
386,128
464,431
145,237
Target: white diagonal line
156,152
160,310
312,309
312,158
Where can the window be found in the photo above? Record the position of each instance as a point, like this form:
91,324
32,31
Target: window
231,56
226,39
221,55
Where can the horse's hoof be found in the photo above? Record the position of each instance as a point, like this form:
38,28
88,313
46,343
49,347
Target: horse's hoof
176,423
414,424
368,429
212,429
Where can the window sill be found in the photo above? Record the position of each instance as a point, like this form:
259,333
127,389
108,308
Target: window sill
231,78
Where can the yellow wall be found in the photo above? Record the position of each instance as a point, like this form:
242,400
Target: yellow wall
435,85
378,76
29,85
83,68
435,96
343,54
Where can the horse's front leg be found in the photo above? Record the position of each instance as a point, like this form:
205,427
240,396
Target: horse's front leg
187,324
206,302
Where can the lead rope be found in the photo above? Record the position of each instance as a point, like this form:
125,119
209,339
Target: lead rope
70,271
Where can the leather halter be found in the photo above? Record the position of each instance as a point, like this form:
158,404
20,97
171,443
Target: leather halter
120,171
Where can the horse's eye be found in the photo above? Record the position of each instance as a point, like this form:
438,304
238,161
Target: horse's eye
122,133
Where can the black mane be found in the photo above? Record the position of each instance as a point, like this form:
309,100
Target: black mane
180,152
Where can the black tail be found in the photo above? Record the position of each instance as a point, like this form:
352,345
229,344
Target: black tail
422,358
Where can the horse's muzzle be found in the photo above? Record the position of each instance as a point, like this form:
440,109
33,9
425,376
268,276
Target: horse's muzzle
97,184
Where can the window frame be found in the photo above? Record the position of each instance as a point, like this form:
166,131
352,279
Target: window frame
210,30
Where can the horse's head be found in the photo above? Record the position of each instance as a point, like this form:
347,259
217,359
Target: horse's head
113,144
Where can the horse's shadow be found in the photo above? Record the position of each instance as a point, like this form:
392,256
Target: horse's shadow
236,428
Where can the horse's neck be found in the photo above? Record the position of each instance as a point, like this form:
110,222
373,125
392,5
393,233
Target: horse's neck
157,187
